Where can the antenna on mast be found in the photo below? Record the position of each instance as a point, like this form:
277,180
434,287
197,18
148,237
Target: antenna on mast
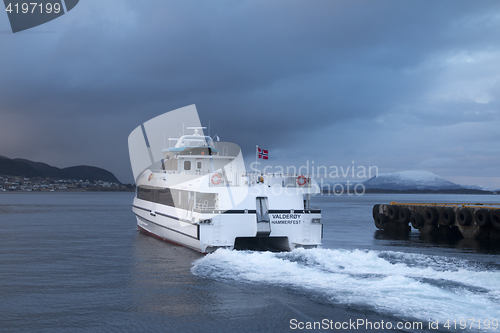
196,129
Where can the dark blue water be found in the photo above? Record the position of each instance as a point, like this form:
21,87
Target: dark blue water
74,262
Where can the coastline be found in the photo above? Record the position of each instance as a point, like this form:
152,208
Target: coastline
39,184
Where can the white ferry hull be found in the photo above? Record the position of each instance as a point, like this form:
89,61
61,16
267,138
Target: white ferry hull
229,229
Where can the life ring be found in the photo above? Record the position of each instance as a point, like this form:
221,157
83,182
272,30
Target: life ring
301,180
216,179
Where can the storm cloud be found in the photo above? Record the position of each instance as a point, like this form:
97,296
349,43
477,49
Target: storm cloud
397,84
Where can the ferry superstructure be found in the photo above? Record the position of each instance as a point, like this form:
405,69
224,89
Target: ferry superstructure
200,196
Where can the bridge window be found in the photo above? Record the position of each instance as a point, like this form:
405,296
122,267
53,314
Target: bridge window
187,165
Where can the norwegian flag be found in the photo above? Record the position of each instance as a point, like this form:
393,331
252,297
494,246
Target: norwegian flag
263,154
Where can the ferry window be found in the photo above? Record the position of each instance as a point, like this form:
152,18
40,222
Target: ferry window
165,197
187,165
145,194
198,165
180,198
206,200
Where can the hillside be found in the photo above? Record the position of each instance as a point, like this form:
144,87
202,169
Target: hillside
26,168
18,168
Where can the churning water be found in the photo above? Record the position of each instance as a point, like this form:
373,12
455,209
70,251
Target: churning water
74,262
394,283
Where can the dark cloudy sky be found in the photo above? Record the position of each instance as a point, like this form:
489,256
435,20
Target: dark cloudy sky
398,84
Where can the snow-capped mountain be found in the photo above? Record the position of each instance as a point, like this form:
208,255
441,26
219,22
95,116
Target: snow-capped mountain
477,187
403,181
410,180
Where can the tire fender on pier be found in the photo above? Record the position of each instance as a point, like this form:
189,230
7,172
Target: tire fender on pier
447,216
495,218
404,215
464,217
482,217
430,216
381,221
375,211
417,220
393,212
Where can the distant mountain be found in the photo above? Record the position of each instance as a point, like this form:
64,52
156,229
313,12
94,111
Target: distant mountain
413,181
88,172
410,180
26,168
18,168
47,170
477,187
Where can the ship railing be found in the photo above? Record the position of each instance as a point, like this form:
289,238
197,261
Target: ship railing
250,179
177,172
220,178
204,205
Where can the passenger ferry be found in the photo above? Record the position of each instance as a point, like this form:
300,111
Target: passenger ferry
198,194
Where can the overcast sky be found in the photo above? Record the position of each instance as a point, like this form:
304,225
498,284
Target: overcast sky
400,85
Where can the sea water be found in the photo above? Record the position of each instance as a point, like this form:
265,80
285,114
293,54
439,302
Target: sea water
74,262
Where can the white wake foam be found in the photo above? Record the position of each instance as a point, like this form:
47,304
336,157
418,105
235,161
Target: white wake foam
402,284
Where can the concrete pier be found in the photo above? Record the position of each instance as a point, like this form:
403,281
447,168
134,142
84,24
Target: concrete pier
471,220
